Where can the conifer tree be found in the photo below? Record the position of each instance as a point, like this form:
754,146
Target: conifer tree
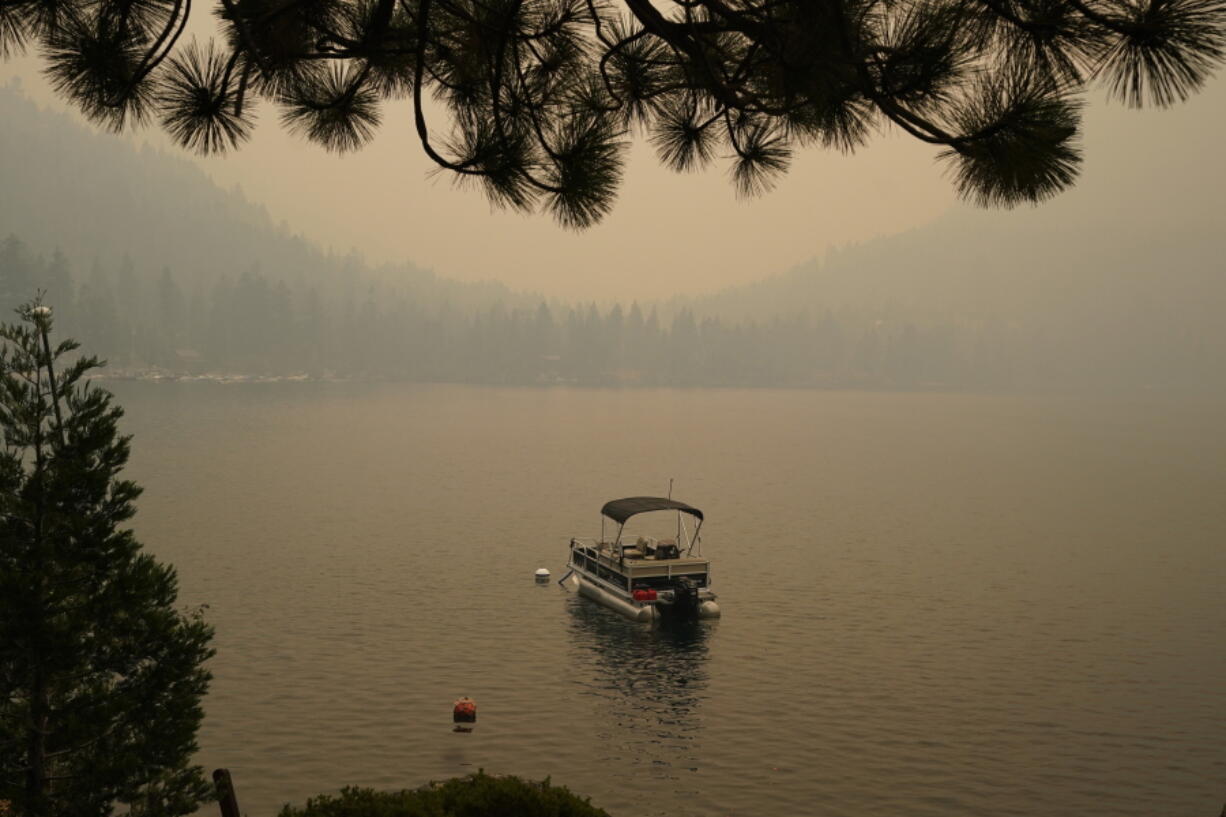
101,676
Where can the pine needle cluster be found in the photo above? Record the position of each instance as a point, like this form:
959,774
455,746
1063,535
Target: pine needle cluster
534,101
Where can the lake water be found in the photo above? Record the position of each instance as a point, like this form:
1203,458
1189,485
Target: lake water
933,604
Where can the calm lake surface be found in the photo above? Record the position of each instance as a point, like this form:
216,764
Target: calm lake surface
933,604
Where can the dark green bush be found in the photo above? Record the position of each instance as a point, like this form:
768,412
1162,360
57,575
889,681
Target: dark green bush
477,795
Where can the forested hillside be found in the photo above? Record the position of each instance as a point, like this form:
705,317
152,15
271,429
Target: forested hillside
94,197
153,265
1127,304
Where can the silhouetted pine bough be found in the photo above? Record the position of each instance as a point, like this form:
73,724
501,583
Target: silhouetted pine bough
538,97
476,794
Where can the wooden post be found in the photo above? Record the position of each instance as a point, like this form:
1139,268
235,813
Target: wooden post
225,793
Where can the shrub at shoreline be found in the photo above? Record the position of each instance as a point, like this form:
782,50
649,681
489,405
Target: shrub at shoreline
476,795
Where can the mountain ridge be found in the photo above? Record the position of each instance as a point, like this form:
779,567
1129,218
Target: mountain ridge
96,197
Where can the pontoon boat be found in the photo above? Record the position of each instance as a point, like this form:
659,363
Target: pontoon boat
648,578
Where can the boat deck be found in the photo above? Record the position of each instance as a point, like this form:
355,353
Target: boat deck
635,565
651,561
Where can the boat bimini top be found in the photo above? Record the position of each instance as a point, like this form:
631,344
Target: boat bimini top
620,510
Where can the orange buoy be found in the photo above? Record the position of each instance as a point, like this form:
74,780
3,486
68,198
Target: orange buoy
464,711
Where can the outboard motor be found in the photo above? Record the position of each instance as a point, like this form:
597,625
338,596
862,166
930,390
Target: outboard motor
685,598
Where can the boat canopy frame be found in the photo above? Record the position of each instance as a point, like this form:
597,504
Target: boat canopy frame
620,511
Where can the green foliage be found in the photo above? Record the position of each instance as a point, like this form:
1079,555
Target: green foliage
477,795
101,676
542,95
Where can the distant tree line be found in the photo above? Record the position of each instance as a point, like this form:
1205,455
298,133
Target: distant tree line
255,323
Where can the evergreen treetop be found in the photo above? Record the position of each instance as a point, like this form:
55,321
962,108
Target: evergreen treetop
101,676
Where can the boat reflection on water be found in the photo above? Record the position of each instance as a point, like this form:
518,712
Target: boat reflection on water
646,684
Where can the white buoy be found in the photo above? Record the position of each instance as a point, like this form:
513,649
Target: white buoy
542,574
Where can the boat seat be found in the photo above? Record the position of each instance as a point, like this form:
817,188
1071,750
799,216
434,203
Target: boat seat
632,553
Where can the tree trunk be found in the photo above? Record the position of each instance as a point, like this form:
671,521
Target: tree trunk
36,737
36,748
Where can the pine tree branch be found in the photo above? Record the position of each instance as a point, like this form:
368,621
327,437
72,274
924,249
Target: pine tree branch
152,58
419,116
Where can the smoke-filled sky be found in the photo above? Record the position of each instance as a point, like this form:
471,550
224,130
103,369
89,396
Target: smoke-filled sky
668,233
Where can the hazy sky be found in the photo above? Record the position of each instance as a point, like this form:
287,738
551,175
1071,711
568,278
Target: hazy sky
668,233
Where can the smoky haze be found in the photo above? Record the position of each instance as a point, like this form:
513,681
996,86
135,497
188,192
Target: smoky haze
856,272
668,234
962,469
